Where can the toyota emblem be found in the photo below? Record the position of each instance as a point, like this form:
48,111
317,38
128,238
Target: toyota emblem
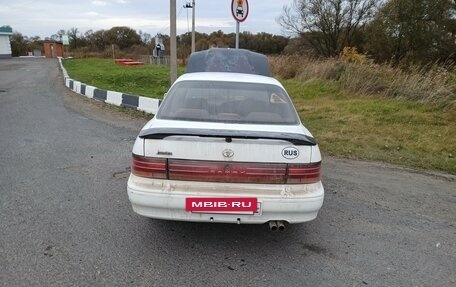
228,153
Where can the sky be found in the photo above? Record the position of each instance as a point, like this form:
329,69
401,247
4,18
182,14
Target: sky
46,17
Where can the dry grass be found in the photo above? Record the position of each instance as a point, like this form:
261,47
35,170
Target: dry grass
433,84
427,86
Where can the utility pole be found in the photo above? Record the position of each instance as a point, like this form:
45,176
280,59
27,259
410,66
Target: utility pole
188,5
193,26
173,44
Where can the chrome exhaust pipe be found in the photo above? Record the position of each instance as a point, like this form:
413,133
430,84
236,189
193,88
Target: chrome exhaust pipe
281,225
273,225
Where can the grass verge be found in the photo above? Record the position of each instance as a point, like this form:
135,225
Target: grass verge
397,131
351,125
146,80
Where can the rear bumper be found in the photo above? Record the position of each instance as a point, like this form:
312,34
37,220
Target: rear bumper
165,199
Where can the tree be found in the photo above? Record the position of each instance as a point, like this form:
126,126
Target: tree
219,38
34,43
18,44
73,38
95,41
264,43
123,37
328,25
419,31
184,43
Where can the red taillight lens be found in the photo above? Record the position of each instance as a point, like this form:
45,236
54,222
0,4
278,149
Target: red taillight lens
149,167
193,170
304,173
231,172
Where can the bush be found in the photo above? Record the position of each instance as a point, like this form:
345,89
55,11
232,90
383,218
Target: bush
350,54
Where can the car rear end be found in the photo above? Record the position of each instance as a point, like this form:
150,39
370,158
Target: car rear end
226,151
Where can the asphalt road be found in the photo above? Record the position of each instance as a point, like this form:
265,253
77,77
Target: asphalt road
65,219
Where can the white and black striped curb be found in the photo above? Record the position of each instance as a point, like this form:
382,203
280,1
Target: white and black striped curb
148,105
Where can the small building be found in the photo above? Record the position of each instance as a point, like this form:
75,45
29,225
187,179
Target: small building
53,49
5,44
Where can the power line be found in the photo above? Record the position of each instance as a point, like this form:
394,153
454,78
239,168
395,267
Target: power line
166,28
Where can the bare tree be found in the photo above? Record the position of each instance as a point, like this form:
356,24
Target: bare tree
328,25
73,37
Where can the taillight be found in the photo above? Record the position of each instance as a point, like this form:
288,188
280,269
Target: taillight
304,173
149,167
232,172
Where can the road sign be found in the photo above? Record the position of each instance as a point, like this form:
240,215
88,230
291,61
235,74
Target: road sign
65,40
240,10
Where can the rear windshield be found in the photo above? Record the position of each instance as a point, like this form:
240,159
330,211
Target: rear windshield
245,103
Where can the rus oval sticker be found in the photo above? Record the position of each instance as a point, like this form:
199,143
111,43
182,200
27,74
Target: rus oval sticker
290,152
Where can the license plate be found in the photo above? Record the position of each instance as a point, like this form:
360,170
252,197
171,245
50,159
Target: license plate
229,205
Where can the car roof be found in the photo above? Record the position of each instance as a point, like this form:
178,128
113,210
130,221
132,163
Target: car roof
228,77
228,60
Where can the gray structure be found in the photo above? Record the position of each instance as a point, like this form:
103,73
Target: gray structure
5,44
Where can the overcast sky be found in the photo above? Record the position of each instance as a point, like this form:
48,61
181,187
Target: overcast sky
46,17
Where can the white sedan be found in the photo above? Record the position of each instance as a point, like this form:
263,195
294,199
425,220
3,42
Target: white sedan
226,147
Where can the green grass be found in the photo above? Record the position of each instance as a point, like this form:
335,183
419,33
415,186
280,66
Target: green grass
375,128
146,80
